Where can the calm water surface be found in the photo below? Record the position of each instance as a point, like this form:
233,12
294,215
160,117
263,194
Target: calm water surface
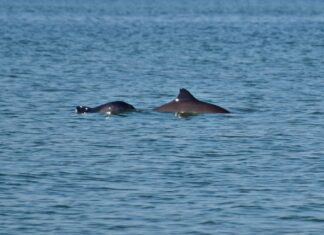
258,170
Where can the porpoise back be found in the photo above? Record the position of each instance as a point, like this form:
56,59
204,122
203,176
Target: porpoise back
185,102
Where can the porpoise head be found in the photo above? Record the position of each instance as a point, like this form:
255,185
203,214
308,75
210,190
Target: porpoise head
81,109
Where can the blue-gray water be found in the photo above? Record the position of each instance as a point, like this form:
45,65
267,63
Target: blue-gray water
258,170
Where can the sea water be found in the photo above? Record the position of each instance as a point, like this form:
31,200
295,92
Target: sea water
258,170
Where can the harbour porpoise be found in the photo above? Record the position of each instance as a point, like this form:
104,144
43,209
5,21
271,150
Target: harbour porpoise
115,107
186,103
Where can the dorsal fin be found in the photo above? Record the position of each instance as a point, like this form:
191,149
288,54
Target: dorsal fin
185,95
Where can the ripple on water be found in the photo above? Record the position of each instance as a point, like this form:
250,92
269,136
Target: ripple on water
258,170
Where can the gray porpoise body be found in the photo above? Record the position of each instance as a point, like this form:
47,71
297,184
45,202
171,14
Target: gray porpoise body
109,108
185,102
